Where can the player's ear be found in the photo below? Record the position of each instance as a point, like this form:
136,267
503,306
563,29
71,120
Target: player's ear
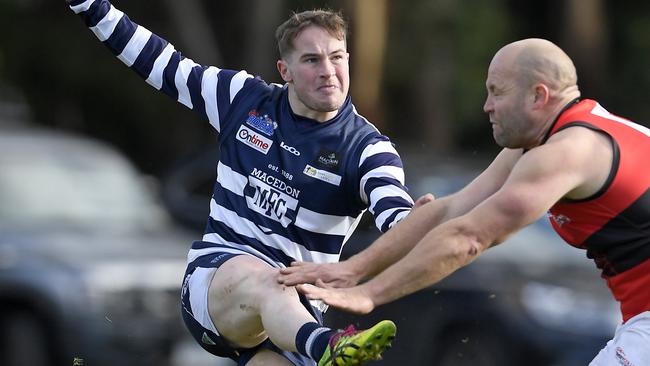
541,96
284,70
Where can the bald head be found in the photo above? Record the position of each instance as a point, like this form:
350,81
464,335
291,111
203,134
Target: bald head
528,84
537,60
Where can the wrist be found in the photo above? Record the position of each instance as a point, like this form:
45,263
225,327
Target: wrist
372,293
357,266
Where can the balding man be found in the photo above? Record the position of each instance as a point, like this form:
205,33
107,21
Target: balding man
569,157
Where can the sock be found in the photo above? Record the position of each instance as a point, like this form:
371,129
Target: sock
312,340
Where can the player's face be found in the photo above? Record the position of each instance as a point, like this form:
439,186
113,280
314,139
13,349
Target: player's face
506,106
318,74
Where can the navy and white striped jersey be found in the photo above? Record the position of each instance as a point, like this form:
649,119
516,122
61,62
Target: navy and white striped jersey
288,188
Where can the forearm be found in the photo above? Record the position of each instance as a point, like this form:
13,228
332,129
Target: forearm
401,239
453,245
123,37
440,253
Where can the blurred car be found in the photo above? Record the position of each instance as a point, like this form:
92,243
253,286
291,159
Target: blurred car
90,262
533,300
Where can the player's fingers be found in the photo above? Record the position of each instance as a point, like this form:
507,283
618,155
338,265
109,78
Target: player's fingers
336,283
293,276
320,283
290,279
298,267
310,291
289,270
423,200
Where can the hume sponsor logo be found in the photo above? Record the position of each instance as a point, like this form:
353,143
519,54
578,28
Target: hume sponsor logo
262,123
254,139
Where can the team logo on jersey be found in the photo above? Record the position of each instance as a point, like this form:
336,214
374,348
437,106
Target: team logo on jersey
272,197
328,159
263,123
254,139
559,219
323,175
290,149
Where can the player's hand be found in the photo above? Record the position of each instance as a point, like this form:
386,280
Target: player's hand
332,274
423,200
353,300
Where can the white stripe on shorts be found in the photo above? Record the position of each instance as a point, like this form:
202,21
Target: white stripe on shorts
199,283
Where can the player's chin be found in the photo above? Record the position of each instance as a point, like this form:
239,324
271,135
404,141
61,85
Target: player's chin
329,105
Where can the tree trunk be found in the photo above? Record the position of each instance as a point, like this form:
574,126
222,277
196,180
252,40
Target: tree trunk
260,51
585,40
369,41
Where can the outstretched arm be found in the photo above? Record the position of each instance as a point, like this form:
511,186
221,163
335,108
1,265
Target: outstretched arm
540,178
401,239
206,90
340,274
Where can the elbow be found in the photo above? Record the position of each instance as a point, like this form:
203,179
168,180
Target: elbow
466,251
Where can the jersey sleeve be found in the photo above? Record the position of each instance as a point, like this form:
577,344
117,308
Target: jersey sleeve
207,90
382,183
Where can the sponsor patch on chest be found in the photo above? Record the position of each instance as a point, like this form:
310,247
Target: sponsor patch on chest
328,159
254,139
559,219
323,175
261,123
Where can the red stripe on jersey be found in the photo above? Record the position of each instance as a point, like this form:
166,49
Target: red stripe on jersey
613,224
632,290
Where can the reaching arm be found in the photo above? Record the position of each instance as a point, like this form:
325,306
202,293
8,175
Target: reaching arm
400,240
397,242
206,90
540,178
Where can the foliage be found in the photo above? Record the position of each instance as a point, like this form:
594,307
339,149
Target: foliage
433,84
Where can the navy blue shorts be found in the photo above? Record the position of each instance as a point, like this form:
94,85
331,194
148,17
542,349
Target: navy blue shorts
202,328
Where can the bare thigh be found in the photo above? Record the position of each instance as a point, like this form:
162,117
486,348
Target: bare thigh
234,298
267,357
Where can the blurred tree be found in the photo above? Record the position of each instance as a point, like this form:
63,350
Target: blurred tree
628,84
421,64
437,60
195,32
260,51
369,37
432,56
483,27
585,38
74,83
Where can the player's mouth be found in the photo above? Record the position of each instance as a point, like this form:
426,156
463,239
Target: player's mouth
329,87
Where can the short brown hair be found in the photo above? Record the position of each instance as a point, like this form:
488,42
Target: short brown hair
329,20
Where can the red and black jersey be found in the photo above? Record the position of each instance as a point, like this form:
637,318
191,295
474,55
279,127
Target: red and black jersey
613,225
